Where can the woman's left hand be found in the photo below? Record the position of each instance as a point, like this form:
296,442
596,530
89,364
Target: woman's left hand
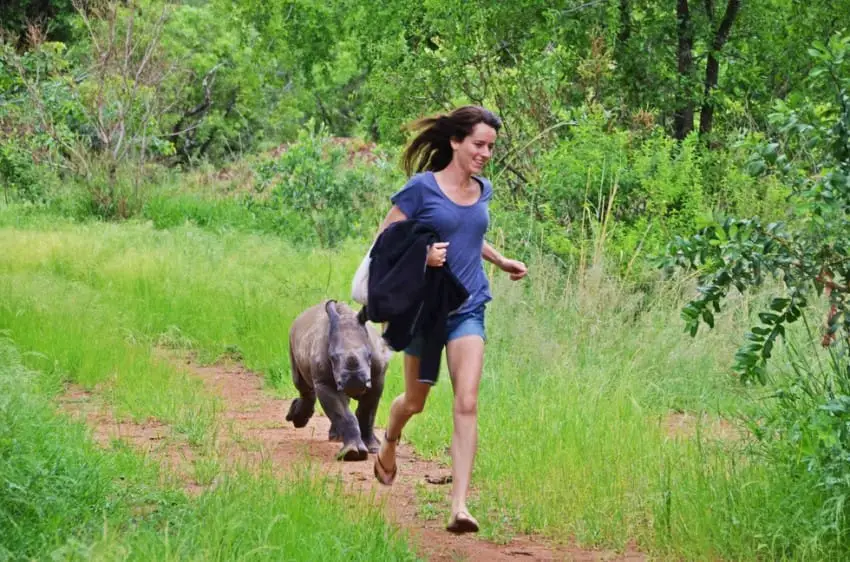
516,268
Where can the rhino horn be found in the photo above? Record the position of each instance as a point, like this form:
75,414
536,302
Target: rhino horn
333,324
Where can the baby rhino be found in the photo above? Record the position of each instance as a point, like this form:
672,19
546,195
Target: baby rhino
335,358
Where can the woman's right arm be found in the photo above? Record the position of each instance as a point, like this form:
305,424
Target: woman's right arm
394,215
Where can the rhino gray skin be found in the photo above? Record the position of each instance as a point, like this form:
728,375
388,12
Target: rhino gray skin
335,358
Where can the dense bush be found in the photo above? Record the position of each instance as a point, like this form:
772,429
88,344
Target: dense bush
322,187
635,189
806,428
216,82
34,136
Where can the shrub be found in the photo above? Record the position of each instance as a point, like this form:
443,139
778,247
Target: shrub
809,253
319,193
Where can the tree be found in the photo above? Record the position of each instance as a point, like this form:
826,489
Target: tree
685,31
53,16
810,251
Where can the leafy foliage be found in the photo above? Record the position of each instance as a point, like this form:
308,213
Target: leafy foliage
806,428
810,251
20,16
311,183
29,137
215,81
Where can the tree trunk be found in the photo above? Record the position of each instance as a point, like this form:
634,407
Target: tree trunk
683,118
630,72
625,30
712,67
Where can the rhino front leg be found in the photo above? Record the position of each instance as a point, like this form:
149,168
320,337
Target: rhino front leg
366,410
344,423
334,434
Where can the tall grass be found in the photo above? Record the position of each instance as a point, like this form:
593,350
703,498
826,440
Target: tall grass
302,518
581,379
581,374
54,486
77,334
212,293
63,498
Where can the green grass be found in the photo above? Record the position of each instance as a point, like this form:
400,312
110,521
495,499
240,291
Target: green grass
61,497
54,485
215,293
575,393
580,375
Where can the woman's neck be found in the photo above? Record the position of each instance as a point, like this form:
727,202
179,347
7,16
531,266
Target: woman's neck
454,176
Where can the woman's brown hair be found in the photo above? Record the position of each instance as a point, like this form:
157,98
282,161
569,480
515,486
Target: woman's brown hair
431,149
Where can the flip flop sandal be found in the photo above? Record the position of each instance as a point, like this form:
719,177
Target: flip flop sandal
384,476
462,522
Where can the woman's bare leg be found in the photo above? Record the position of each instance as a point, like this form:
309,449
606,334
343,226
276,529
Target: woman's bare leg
465,358
403,407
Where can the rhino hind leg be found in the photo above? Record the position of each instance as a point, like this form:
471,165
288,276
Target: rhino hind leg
300,411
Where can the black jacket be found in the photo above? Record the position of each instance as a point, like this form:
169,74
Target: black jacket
410,296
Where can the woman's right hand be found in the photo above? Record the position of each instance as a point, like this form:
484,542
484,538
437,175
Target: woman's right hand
437,254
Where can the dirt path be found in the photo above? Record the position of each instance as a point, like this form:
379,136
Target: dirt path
255,431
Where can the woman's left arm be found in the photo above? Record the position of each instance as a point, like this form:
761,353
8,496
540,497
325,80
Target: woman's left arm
516,268
490,254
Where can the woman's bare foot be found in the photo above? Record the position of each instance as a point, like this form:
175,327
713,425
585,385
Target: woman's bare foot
462,522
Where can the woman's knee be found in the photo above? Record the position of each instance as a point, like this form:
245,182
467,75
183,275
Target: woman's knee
466,404
413,404
415,392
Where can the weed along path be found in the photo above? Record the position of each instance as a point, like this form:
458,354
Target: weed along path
252,430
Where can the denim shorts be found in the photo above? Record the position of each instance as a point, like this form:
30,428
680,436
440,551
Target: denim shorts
469,323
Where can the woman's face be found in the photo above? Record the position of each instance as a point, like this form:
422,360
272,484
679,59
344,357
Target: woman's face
475,150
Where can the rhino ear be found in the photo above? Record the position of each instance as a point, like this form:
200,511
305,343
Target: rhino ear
333,324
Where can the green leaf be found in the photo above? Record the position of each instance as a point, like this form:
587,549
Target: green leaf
690,312
751,336
768,317
768,347
779,304
708,317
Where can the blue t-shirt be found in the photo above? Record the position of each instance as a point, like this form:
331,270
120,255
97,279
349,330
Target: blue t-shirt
462,226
